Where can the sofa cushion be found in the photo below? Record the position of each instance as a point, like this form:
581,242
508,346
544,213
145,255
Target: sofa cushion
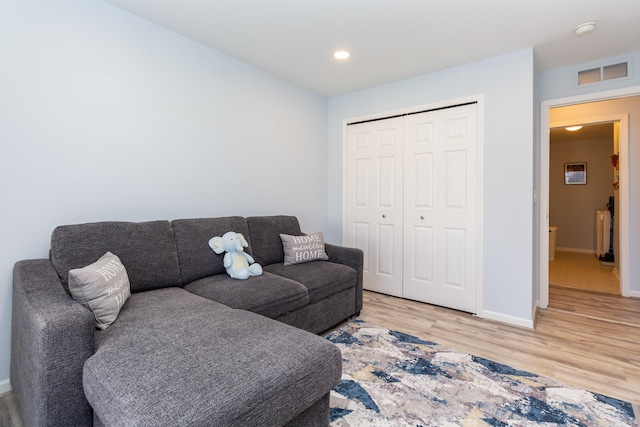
265,236
305,248
321,278
147,249
204,364
197,259
267,294
103,287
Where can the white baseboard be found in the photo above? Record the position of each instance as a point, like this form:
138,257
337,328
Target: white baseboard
5,386
534,314
582,251
511,320
634,294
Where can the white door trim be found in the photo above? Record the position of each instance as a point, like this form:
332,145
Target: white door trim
479,99
543,220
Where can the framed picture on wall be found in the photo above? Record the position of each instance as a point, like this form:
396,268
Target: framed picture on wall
575,173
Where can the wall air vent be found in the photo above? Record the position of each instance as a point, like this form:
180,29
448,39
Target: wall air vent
603,73
615,71
591,75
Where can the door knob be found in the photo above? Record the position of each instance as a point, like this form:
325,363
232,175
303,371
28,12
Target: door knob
384,216
421,216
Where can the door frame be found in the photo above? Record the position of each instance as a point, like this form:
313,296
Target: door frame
543,219
477,98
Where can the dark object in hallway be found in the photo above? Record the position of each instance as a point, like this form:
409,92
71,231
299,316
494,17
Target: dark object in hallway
609,256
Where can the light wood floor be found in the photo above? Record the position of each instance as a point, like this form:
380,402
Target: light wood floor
582,271
586,339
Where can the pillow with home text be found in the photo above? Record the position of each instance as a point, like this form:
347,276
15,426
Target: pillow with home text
103,287
305,248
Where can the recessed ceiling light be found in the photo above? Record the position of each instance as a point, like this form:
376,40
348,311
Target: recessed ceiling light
573,128
341,54
585,28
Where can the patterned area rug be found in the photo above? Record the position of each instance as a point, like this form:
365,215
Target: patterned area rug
394,379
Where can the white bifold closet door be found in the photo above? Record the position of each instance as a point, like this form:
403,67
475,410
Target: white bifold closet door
374,201
440,207
412,205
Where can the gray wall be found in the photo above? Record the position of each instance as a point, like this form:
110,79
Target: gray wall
105,116
506,82
572,207
560,84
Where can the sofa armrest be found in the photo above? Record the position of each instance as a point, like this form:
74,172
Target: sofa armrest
51,338
352,257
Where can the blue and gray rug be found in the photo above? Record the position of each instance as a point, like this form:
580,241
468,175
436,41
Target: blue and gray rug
394,379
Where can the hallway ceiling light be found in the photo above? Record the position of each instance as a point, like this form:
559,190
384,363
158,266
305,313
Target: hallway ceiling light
573,128
585,28
341,54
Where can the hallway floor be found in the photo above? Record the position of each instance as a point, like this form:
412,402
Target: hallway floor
582,271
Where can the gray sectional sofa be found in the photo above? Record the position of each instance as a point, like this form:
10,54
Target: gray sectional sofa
191,346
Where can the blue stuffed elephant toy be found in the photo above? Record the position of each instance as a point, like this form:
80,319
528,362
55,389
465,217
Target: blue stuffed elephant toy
239,264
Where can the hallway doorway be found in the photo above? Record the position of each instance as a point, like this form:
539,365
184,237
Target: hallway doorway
625,100
582,205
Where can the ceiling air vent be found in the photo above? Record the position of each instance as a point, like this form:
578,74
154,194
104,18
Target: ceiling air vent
603,73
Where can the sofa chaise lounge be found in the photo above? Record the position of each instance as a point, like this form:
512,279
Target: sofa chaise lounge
191,346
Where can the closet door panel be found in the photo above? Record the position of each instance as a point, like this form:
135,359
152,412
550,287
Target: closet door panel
385,262
422,168
374,201
455,265
423,190
385,187
362,177
360,240
454,182
422,262
450,176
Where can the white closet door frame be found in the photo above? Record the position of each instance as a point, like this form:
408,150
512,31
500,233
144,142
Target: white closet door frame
479,99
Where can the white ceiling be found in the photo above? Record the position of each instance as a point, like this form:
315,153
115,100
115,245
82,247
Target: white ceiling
588,132
391,40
